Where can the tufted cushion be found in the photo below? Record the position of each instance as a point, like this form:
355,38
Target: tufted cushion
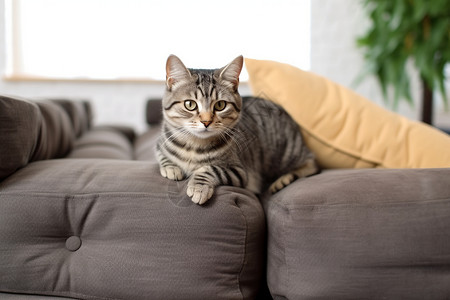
346,130
113,229
361,234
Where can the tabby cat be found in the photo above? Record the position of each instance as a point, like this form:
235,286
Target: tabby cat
215,137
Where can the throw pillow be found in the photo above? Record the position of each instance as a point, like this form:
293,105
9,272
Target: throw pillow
344,129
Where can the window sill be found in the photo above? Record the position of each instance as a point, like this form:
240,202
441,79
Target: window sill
29,78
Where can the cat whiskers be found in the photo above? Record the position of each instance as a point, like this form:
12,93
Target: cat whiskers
179,133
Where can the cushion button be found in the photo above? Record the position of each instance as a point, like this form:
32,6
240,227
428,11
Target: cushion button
73,243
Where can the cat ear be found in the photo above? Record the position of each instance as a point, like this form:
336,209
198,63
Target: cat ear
175,71
230,73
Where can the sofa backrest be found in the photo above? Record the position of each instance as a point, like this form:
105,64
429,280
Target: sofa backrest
37,130
154,111
79,112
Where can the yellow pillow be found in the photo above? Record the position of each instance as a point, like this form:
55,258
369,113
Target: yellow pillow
346,130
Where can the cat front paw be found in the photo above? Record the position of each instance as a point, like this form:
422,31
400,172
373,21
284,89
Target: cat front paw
200,193
172,172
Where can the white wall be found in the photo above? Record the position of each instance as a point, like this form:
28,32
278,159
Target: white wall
335,24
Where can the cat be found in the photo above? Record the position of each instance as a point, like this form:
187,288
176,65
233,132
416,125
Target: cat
213,136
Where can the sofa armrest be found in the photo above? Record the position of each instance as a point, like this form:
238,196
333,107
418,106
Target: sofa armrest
361,234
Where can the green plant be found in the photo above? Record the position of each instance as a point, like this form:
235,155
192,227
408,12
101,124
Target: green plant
403,30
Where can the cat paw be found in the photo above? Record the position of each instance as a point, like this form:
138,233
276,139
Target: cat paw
200,193
172,172
281,183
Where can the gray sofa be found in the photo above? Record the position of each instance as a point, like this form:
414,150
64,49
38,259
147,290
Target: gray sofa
84,214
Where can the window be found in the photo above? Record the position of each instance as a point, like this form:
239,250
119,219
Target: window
131,39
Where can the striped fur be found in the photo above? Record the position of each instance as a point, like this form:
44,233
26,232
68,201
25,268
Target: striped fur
214,137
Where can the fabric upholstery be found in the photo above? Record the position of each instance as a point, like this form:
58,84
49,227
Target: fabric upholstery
79,113
99,225
19,132
141,236
125,130
145,145
9,296
37,130
361,234
154,111
56,135
346,130
103,142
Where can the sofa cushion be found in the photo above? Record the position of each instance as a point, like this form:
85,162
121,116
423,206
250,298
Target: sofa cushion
31,131
346,130
56,135
145,144
104,142
19,132
135,235
38,130
9,296
79,112
361,234
153,110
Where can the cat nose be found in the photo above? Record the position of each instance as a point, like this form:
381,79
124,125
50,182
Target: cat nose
206,123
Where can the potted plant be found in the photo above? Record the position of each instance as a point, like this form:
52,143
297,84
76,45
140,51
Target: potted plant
404,30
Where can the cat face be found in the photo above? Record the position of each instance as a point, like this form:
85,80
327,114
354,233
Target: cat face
203,103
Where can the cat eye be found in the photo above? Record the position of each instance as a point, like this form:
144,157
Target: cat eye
220,105
190,105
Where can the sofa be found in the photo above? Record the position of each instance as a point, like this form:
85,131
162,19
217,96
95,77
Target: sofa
85,214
